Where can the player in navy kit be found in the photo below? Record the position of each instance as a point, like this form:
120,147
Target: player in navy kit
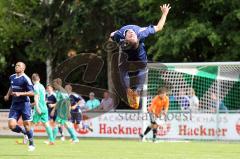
132,49
76,100
20,89
51,103
77,104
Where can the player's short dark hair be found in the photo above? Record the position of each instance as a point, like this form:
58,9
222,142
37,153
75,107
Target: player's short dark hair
49,85
69,85
162,90
35,77
106,91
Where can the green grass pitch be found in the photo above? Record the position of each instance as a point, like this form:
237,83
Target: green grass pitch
119,149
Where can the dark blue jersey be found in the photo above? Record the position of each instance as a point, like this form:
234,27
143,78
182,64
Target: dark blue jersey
51,99
140,53
20,84
74,99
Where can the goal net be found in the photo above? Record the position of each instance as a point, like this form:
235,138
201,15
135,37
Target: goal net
197,87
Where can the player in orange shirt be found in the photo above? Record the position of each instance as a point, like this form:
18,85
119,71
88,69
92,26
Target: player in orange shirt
158,107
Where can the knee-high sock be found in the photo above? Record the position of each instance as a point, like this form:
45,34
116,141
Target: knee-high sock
55,132
72,133
18,129
147,130
50,133
154,133
30,136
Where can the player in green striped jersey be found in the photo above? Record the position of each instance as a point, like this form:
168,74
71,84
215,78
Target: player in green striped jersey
63,108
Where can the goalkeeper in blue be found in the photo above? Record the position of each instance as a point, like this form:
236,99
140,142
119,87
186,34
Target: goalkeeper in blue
132,50
63,108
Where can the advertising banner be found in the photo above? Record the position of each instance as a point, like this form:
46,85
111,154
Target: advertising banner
130,125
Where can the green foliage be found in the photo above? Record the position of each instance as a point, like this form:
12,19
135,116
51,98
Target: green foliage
195,31
49,30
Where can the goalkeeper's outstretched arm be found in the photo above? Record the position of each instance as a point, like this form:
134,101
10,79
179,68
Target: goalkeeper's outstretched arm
165,9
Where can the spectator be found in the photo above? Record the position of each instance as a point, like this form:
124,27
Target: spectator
92,103
183,100
214,104
193,101
107,102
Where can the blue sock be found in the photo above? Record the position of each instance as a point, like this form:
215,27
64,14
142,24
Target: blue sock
30,137
18,129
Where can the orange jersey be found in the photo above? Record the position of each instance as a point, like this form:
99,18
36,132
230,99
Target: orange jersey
158,105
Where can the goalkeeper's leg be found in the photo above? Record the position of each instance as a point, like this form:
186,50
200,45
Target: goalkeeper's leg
150,127
154,133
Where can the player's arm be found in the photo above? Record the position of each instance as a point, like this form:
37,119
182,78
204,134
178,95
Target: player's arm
6,97
111,36
74,106
69,108
36,101
53,111
33,104
165,110
52,105
29,93
54,108
165,9
116,36
151,108
29,90
79,101
69,111
82,103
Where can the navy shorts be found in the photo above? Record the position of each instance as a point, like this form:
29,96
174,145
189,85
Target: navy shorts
76,117
20,109
52,117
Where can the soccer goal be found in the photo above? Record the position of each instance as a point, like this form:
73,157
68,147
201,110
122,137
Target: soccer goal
216,85
204,99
